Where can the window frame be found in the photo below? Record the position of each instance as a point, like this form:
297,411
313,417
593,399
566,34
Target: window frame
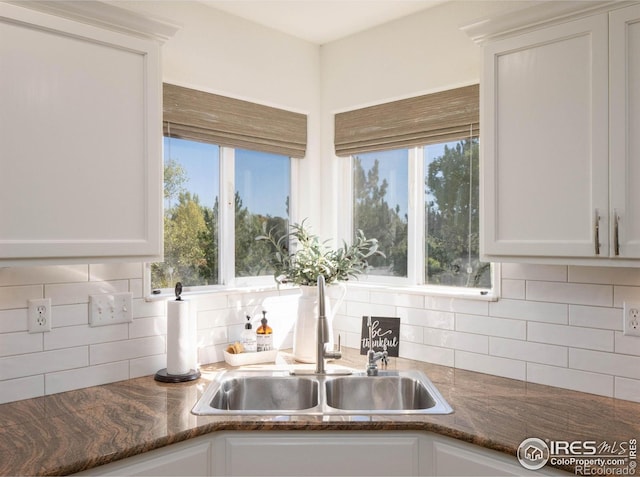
416,234
226,246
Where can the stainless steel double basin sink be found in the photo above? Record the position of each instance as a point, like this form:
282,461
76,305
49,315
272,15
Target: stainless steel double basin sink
280,393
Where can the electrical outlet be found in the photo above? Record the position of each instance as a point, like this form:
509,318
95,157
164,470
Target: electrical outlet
110,308
631,323
39,315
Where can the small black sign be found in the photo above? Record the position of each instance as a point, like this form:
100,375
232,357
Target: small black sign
385,332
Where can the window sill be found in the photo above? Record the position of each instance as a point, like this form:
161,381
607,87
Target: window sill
450,292
425,290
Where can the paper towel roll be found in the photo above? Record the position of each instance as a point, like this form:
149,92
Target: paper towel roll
179,338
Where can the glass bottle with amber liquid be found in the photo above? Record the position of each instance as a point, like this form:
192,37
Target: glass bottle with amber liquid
264,334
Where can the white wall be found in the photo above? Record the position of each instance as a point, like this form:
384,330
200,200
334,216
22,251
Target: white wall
554,324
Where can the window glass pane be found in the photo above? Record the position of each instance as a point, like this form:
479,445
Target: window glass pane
261,203
191,191
380,198
452,220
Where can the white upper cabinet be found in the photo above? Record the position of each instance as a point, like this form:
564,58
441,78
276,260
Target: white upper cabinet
80,138
624,59
558,162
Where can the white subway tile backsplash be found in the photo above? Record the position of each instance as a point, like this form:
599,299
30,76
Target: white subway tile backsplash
72,293
528,351
114,271
593,383
429,354
369,309
513,289
530,311
601,340
457,340
571,293
143,309
45,362
628,389
605,275
223,317
554,325
20,343
136,287
457,305
13,320
397,299
486,325
595,317
152,326
605,363
18,297
411,333
69,315
84,377
625,344
21,388
212,302
127,349
528,271
623,293
83,335
211,354
430,318
217,336
40,275
147,365
482,363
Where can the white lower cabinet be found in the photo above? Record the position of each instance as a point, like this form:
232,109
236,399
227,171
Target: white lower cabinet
454,457
310,453
188,458
326,453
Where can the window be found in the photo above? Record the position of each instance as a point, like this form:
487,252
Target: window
191,215
448,188
380,204
196,176
415,187
451,202
227,179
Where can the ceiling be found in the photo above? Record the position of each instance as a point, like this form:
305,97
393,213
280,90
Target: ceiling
321,21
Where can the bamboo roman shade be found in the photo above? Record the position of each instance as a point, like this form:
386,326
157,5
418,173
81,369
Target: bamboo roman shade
207,117
428,119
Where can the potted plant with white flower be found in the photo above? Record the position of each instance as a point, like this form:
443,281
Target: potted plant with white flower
299,257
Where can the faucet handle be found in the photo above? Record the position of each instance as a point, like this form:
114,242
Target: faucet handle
337,347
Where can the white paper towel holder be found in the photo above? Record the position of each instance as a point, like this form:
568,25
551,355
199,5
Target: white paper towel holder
163,375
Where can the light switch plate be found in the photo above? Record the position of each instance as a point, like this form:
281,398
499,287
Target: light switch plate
110,309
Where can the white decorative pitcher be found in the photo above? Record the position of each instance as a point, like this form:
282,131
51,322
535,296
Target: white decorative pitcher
306,328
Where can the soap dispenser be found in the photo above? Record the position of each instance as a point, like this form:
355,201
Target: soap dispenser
248,337
264,334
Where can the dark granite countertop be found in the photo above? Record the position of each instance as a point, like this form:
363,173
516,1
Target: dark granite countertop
77,430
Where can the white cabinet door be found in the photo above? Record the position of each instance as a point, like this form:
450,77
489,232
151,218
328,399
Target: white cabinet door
80,141
545,142
190,458
625,129
457,458
320,453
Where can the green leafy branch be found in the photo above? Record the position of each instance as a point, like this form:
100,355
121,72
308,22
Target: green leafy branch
311,257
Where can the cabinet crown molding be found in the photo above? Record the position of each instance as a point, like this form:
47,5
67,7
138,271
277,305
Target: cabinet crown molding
532,16
105,15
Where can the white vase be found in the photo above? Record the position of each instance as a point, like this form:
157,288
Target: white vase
306,328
